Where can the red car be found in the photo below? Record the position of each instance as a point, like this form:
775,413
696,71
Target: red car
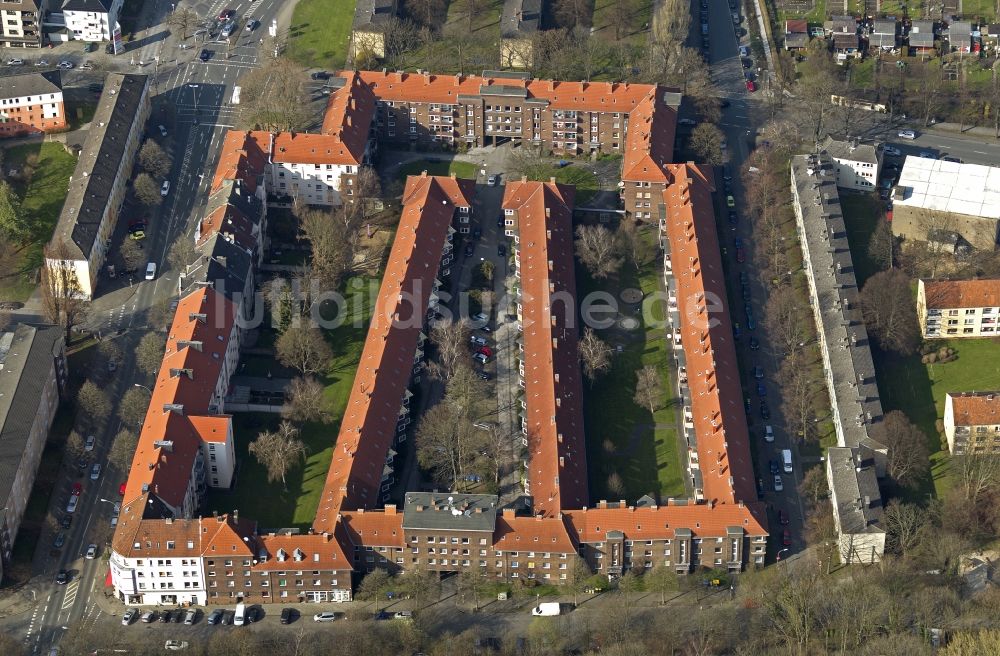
77,489
226,14
485,350
786,538
121,489
782,517
751,86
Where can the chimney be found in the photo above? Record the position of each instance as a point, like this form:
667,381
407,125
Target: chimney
349,119
390,509
353,105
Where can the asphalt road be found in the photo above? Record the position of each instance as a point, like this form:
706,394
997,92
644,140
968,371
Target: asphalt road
740,120
193,101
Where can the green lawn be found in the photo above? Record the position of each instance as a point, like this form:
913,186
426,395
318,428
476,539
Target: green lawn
648,459
984,9
861,215
271,504
42,199
816,16
919,390
321,33
438,167
487,21
583,179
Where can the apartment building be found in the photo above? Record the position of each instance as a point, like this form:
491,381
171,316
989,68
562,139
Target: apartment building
98,185
849,371
91,20
21,24
32,375
856,165
551,414
958,308
933,195
31,103
972,422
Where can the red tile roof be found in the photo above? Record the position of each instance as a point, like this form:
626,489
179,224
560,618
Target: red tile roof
309,551
378,528
231,222
553,392
660,522
945,294
649,144
975,408
225,535
304,148
243,156
166,470
445,89
796,26
531,534
720,422
369,423
349,115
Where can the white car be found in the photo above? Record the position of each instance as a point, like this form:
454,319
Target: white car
89,444
42,62
778,485
65,64
95,471
151,271
163,133
129,616
175,645
71,506
768,433
165,188
909,135
91,552
15,62
491,181
325,616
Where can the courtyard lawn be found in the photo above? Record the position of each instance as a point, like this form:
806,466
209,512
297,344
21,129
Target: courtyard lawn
320,34
583,179
861,215
273,505
42,199
919,390
622,437
438,167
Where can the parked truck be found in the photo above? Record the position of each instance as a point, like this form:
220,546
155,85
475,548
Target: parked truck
546,609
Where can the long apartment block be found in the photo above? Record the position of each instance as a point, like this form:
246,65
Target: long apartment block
165,553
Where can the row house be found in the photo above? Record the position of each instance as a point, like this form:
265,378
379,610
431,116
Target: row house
972,422
21,24
31,103
540,215
958,308
377,413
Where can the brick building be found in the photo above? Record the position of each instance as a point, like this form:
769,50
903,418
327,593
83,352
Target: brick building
31,103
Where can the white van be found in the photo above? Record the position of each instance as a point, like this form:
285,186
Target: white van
786,460
151,271
241,615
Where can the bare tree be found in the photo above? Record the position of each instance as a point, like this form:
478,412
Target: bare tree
595,355
62,295
578,575
146,190
373,585
74,445
303,347
123,450
571,13
978,476
447,441
278,451
801,388
496,449
272,97
304,401
93,402
615,483
908,457
330,241
133,405
473,581
785,319
661,579
183,19
426,12
598,250
648,388
889,311
706,143
110,351
635,248
814,487
154,159
903,524
419,584
149,352
451,339
881,246
132,254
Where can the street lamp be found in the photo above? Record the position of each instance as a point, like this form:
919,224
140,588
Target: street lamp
143,387
781,552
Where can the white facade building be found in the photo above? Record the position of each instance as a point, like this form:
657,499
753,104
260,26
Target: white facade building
856,165
91,20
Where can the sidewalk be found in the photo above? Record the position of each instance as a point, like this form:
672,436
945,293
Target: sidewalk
988,133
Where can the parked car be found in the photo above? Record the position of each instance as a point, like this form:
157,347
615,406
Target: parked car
476,234
782,517
165,188
892,151
205,55
469,248
909,135
71,506
175,645
320,75
162,129
754,344
151,271
288,615
778,485
65,64
95,471
59,541
761,389
774,467
687,121
760,487
949,158
214,616
252,24
226,14
501,250
477,340
91,552
129,616
88,445
325,616
786,538
62,578
42,62
740,256
66,521
751,86
491,181
765,413
148,617
758,372
15,61
768,433
77,489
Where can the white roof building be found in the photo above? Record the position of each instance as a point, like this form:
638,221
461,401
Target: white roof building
933,184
